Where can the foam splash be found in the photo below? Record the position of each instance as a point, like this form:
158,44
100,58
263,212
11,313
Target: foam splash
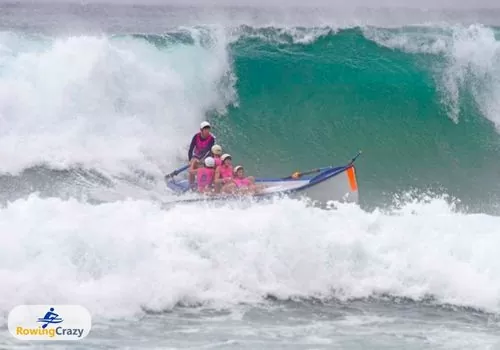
283,35
107,103
119,258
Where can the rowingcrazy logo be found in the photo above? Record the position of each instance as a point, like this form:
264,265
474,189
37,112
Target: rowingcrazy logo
49,322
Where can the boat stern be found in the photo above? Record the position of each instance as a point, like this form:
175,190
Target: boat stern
338,185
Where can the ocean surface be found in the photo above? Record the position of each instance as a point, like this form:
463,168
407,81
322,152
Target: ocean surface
99,101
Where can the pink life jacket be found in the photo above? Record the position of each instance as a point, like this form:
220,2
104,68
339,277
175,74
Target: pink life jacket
241,182
204,178
218,161
201,145
226,171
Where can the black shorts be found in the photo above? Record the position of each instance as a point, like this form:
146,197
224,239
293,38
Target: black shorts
200,157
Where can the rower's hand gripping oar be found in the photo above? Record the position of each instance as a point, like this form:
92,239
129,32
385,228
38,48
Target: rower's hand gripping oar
298,174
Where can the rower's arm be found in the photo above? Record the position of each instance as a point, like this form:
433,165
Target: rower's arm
211,143
217,178
191,148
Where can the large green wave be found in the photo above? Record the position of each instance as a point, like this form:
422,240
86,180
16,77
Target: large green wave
309,104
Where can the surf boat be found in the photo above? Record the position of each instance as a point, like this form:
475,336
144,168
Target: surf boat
321,186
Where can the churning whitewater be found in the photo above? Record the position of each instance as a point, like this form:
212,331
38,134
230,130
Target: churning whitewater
105,255
92,123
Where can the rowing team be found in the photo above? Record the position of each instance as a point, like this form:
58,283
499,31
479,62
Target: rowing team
217,175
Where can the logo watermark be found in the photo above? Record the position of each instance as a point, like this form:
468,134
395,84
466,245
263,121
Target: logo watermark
49,322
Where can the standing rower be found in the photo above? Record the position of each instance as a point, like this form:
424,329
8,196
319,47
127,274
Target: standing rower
199,148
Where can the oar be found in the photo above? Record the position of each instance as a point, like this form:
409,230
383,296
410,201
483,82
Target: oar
299,174
176,172
355,157
180,170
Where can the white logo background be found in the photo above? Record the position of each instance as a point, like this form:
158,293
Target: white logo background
75,317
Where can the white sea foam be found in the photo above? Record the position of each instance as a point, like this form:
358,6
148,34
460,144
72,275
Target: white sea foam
108,103
118,258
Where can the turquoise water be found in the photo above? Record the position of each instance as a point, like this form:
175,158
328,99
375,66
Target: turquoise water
303,105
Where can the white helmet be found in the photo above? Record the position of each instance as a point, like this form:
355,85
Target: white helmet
209,162
224,156
204,124
216,149
236,168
